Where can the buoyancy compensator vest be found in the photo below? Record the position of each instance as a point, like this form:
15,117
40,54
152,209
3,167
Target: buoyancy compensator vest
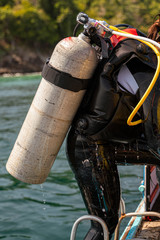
119,84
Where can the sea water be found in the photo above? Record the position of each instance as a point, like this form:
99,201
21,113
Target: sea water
46,211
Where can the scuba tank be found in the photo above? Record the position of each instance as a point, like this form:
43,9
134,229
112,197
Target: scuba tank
65,79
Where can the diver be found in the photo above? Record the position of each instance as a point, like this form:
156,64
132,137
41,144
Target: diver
100,138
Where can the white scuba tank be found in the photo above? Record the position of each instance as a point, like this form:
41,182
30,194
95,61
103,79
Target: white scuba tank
57,99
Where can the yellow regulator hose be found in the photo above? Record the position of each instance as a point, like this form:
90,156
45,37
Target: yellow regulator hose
151,44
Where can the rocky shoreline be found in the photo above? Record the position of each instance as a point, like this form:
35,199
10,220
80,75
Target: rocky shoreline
22,60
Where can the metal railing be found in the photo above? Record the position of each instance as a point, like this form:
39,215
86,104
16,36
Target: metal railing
151,214
89,217
103,224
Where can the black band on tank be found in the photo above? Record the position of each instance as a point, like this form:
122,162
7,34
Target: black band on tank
62,79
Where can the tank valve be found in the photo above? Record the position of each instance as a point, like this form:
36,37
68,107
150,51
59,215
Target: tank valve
82,18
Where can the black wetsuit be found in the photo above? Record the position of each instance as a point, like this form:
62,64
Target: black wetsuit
100,138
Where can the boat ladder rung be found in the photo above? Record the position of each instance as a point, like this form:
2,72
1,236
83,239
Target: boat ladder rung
93,218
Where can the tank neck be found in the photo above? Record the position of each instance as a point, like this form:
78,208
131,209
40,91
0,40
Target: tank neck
84,37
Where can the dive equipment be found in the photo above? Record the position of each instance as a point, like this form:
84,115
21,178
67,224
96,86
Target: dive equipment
64,82
42,133
100,136
103,26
